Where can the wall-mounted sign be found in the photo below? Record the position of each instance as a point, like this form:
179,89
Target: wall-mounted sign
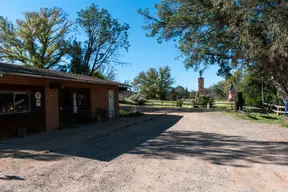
38,103
75,99
38,95
75,110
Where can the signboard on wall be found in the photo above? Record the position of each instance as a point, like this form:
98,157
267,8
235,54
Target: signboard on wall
38,103
38,97
75,108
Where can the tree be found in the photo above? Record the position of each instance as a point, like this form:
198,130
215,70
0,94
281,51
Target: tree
217,91
252,34
105,38
192,94
179,92
251,86
76,54
40,40
154,84
109,72
77,66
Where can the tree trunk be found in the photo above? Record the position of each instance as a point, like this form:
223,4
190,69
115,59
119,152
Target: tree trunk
278,71
282,87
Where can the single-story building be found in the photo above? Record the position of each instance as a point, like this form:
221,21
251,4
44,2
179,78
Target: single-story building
39,100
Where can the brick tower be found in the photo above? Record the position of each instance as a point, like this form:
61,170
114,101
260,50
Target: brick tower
200,85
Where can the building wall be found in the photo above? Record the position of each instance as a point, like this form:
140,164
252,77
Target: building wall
99,95
52,109
33,121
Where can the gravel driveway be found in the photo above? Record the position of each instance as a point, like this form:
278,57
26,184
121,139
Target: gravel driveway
181,151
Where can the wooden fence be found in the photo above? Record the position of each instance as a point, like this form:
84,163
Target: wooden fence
223,104
278,109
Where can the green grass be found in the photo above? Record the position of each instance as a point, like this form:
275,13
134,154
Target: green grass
160,104
220,106
273,119
171,104
130,113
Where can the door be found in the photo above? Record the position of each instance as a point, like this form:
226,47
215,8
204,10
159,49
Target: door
111,96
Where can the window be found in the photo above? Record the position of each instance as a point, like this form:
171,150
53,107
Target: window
21,102
81,99
14,102
6,103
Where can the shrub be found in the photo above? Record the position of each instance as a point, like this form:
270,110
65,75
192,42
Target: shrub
138,99
179,103
204,100
130,113
122,101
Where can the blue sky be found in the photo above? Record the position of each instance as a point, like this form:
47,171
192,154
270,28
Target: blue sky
144,52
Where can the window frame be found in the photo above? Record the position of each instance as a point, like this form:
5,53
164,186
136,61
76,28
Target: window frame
84,98
14,93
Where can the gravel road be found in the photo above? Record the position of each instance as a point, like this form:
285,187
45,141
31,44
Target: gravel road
181,151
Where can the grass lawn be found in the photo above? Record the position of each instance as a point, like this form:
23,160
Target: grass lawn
160,104
222,106
272,119
130,113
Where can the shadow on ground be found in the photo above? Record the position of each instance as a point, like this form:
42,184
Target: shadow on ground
11,177
216,148
153,139
179,110
104,148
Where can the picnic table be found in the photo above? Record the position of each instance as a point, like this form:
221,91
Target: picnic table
251,111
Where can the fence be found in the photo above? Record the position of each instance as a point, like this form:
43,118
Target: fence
224,104
162,103
278,109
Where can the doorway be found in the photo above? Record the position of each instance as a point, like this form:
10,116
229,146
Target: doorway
111,95
72,102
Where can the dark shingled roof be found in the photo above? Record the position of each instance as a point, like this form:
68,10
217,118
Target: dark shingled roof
50,74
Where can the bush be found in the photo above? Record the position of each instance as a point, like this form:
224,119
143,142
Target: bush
256,101
130,113
204,100
122,101
179,103
138,99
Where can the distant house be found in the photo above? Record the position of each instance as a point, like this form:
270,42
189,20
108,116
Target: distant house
39,100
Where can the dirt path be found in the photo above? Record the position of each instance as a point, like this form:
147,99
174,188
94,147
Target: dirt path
177,152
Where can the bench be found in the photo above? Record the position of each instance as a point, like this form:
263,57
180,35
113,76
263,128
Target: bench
101,112
251,111
86,116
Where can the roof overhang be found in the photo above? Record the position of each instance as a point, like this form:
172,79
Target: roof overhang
58,78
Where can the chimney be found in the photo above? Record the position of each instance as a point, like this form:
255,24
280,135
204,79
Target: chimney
201,85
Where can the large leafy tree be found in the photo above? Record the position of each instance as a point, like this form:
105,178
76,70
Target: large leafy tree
106,37
179,92
239,33
252,84
76,64
76,54
154,84
218,91
39,40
